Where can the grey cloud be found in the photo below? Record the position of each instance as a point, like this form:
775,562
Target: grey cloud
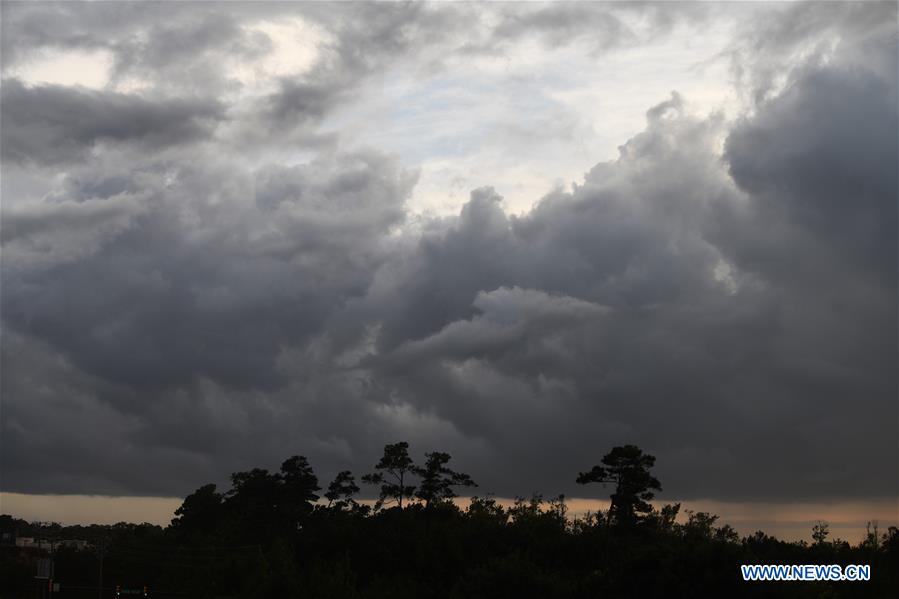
27,27
505,319
623,237
298,103
769,44
146,40
820,177
165,306
603,26
560,24
187,54
50,124
40,236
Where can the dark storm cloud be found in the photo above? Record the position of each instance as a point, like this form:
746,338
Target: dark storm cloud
823,176
187,309
185,284
50,124
175,311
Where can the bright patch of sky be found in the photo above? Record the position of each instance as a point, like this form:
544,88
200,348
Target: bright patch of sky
293,49
87,68
534,118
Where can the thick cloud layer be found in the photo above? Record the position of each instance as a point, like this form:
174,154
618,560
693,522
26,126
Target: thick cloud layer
194,286
52,124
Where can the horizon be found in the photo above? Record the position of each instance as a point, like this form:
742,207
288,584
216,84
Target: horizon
787,521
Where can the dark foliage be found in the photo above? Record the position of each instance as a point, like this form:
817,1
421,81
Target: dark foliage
628,468
392,475
438,480
341,491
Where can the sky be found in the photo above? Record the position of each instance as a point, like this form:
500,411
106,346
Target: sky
519,233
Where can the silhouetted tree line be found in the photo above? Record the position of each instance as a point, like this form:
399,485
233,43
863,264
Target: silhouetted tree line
272,535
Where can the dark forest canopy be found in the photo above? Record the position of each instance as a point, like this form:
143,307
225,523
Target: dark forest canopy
272,534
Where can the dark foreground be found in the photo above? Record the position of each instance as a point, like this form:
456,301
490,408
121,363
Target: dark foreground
441,551
271,536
